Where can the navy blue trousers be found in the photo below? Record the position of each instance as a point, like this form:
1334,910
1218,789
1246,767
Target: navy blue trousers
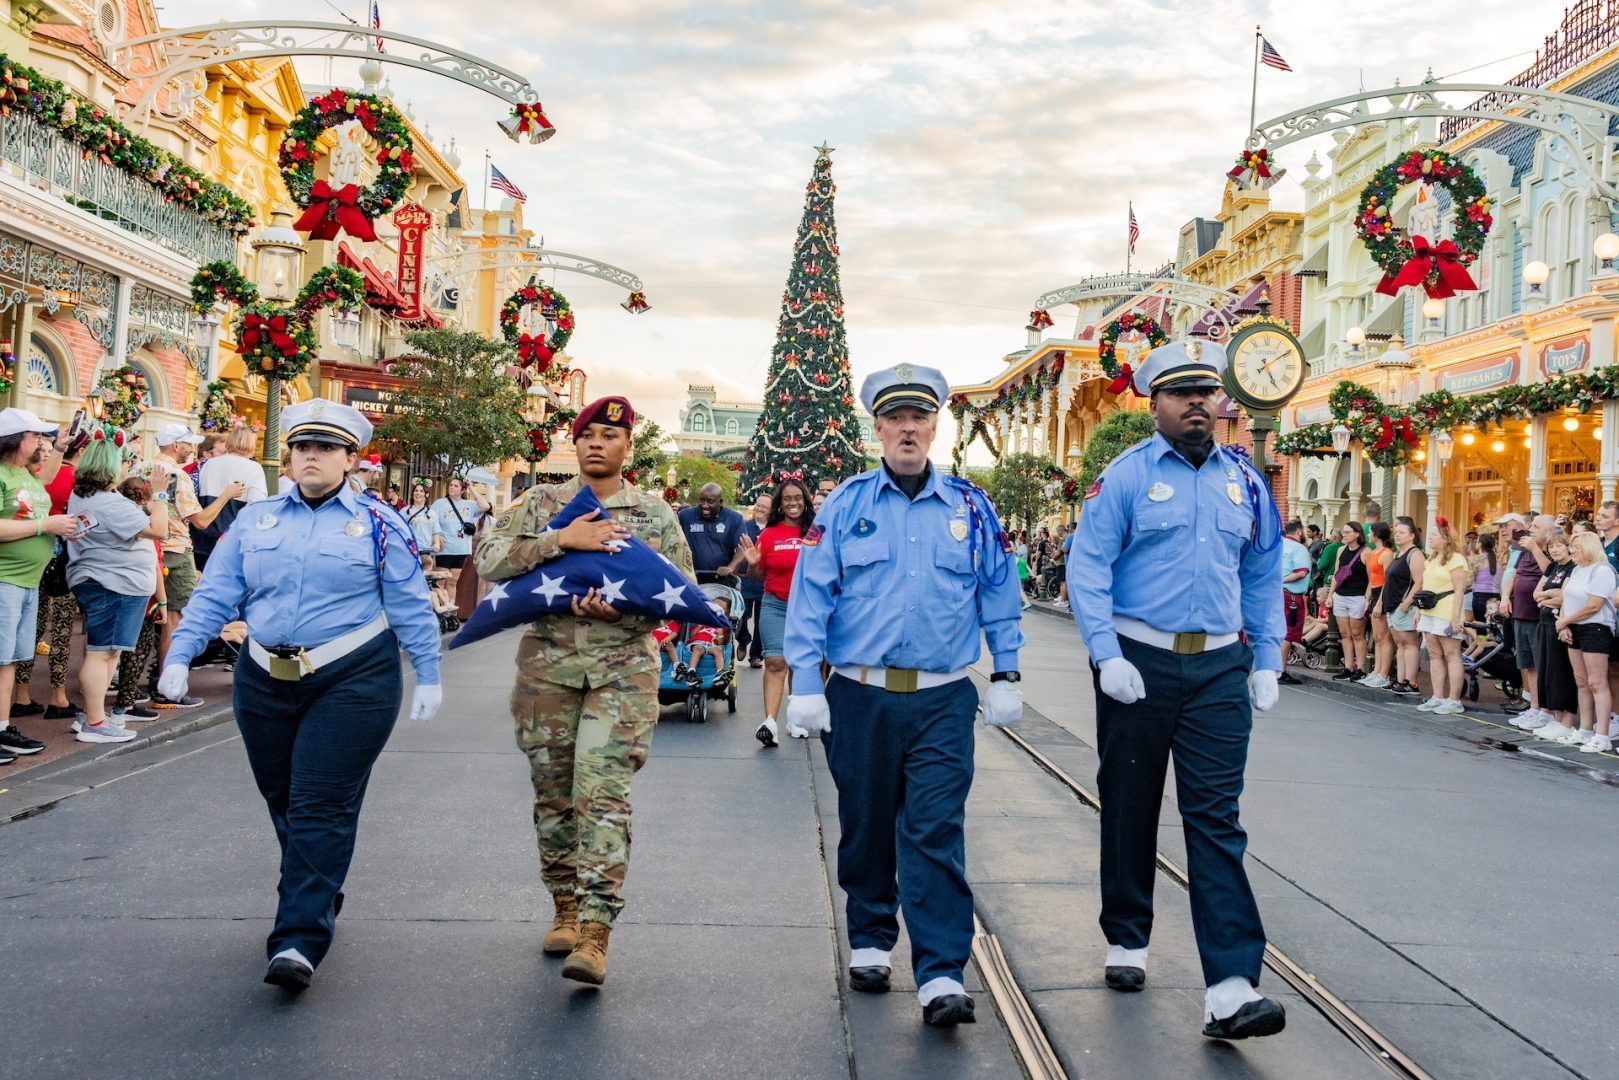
903,764
311,745
1196,709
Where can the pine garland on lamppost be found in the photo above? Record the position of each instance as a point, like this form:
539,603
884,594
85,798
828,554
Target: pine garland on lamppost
808,427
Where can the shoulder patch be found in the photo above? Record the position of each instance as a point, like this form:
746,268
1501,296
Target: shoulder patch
813,537
1096,489
505,519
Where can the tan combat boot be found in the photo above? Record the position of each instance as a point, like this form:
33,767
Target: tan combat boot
588,961
564,932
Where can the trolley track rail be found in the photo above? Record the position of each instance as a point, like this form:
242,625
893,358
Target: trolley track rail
1038,1058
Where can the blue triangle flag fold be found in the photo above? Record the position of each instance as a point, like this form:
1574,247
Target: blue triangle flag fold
635,580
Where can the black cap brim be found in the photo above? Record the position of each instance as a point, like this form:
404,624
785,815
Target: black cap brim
906,401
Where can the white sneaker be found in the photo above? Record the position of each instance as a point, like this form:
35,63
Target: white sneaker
1598,744
766,732
1450,707
1431,705
796,732
108,731
1376,682
1528,722
1575,737
1551,732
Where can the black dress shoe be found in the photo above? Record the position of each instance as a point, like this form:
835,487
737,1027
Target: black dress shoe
1253,1020
289,974
948,1011
1287,678
869,980
31,709
1126,979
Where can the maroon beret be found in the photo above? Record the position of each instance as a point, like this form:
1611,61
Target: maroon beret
615,411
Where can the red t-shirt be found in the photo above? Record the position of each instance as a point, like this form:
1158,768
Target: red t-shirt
779,547
60,487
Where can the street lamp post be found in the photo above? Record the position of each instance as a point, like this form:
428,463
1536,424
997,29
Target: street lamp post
533,411
280,255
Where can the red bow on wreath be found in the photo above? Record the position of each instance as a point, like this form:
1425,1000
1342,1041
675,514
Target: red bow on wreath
1391,428
256,327
1257,160
1445,258
1125,380
334,210
532,349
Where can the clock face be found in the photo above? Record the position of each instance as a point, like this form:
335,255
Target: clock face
1267,366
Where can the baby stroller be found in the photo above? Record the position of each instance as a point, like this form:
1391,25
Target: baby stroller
712,681
1498,661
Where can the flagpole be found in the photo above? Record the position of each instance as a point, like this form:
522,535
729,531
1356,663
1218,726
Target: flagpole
1129,245
484,202
1253,99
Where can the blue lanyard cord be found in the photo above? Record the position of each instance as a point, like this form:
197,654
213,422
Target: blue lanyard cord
979,533
1268,525
379,544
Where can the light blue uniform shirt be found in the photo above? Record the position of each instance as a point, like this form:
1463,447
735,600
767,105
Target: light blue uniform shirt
423,525
303,577
891,582
1174,547
456,540
1295,556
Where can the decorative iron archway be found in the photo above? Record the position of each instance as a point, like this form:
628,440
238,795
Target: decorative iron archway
1182,293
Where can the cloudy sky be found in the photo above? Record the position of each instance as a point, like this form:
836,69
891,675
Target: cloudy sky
985,150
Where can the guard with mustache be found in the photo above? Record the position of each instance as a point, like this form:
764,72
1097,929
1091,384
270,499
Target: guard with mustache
1176,559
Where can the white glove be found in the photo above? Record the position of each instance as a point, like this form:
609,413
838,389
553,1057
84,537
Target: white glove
425,701
810,713
172,683
1003,705
1262,689
1121,681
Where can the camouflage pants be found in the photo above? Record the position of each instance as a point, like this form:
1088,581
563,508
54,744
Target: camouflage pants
583,746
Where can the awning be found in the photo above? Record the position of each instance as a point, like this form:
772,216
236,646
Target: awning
1388,322
1247,304
1314,340
1315,263
380,291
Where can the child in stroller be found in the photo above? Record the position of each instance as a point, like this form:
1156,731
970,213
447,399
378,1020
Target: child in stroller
702,666
1493,656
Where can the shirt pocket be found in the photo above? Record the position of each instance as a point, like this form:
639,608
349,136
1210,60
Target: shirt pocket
1161,523
955,573
865,563
353,551
260,551
1235,527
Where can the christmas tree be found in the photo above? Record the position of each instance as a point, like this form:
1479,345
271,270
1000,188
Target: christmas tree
808,428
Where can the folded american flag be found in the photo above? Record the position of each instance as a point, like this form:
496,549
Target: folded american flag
635,580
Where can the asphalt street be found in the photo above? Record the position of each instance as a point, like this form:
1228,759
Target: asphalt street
1453,894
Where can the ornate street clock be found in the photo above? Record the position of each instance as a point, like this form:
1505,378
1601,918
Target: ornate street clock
1266,366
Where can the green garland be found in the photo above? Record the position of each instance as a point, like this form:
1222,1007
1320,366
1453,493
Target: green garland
217,410
25,90
1363,412
379,119
221,283
337,287
1374,222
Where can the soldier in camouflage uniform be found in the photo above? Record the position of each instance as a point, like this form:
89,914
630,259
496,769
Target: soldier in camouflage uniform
586,698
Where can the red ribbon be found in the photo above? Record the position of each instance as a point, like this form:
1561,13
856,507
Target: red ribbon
532,349
536,119
1386,438
256,327
334,210
1392,428
1125,379
1406,434
1444,258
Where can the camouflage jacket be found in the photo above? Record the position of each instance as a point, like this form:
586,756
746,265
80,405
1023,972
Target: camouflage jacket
573,651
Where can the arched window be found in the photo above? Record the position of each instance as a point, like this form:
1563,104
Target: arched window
732,428
44,369
1575,245
1551,245
154,385
699,422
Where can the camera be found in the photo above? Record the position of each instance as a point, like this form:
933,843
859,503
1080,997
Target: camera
467,529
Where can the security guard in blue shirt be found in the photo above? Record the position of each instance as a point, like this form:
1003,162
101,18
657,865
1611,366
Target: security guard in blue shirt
1178,550
901,570
329,583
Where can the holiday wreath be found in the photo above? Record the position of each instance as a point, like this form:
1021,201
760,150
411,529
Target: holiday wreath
1107,346
536,349
330,210
1438,266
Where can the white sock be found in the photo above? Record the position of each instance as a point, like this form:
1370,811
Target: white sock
937,988
294,955
868,958
1227,996
1119,956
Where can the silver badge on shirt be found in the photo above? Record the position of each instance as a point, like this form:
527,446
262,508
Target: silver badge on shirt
266,521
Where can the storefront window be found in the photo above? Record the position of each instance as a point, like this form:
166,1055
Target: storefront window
1575,246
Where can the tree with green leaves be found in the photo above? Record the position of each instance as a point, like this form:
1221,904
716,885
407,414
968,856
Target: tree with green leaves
458,404
808,428
1021,489
1112,437
648,458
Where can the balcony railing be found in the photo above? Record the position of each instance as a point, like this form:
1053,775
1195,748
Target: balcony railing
39,154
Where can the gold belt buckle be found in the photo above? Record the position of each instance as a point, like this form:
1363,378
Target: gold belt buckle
290,668
1191,644
900,680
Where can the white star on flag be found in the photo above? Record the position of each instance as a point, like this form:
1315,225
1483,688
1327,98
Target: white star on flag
496,595
670,596
550,588
612,590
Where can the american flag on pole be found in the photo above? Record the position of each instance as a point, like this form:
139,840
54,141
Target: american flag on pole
498,181
376,23
1271,58
1135,230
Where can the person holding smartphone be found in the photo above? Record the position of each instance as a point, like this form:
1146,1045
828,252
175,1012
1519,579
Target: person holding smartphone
457,517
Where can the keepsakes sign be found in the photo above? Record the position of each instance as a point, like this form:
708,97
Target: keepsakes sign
1481,375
